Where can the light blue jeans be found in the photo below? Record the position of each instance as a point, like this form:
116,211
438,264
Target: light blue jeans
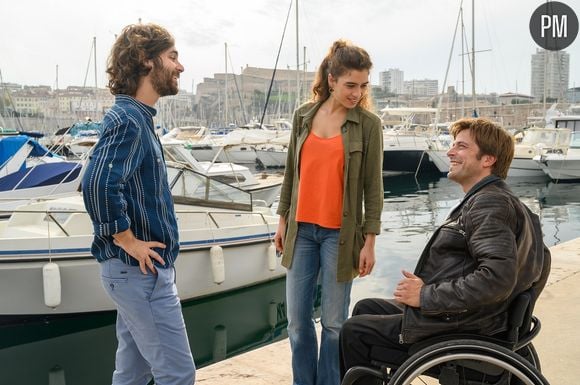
150,328
315,253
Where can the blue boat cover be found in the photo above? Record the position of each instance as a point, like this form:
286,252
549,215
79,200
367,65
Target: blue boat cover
42,175
11,144
85,128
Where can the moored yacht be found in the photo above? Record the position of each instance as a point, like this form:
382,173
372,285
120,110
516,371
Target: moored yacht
564,165
225,243
406,143
264,187
535,141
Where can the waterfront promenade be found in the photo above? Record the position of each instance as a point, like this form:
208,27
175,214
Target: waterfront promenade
558,344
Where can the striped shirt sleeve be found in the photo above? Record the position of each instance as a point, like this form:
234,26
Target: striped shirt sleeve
115,159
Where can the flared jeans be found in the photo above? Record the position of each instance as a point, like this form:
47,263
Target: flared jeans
315,260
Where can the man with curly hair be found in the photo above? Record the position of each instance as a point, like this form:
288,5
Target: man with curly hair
128,198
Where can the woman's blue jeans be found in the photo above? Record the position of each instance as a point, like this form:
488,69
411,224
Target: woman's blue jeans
315,254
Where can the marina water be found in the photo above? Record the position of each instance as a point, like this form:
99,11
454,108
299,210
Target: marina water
80,350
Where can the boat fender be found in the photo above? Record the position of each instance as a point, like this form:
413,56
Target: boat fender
220,343
272,257
218,267
51,284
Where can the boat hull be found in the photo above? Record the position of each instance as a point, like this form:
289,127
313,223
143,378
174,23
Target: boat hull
271,158
235,154
408,161
560,167
245,260
525,167
520,166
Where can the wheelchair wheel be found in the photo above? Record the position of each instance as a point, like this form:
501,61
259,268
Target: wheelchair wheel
467,362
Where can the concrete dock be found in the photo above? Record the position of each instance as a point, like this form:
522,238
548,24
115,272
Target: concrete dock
558,344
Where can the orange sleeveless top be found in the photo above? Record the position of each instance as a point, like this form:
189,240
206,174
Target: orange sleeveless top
321,183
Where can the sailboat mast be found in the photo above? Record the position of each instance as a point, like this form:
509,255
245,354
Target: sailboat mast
95,58
96,83
473,57
297,61
226,86
462,63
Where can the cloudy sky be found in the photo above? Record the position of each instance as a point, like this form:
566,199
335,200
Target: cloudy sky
412,35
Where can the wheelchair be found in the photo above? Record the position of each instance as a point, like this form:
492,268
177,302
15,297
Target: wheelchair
463,358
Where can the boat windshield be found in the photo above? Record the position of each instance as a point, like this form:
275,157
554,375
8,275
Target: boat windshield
573,123
192,188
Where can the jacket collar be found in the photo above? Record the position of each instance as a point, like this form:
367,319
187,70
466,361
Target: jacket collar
478,186
482,183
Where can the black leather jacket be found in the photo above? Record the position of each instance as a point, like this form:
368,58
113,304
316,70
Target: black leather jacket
488,251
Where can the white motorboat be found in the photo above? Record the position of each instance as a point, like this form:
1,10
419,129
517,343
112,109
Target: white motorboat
30,171
563,166
536,140
406,143
77,140
225,243
219,327
271,156
237,146
263,187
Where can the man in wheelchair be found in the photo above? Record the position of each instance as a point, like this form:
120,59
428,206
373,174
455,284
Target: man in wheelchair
488,251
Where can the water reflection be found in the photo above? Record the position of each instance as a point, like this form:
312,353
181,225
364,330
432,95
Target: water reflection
80,350
413,208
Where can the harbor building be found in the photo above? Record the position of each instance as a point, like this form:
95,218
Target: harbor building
240,98
392,81
424,87
550,74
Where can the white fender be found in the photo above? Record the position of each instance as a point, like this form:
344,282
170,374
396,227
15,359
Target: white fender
220,343
51,284
272,257
218,267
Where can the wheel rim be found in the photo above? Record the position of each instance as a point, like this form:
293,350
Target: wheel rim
478,352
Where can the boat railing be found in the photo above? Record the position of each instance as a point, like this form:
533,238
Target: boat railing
71,222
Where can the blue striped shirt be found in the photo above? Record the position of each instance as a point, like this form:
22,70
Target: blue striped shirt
125,184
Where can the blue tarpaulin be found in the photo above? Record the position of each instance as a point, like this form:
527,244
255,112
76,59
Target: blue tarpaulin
11,144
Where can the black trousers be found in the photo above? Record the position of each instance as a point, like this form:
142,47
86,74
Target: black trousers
375,326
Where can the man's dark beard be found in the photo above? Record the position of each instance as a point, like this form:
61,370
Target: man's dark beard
162,80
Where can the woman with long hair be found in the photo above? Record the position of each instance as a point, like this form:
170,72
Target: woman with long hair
330,207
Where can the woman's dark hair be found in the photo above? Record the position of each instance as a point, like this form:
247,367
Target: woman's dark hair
342,57
127,62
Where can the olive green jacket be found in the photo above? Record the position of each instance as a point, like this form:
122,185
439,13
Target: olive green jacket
363,164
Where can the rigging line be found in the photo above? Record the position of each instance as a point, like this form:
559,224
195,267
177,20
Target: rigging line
88,64
242,106
276,65
87,73
437,114
467,52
